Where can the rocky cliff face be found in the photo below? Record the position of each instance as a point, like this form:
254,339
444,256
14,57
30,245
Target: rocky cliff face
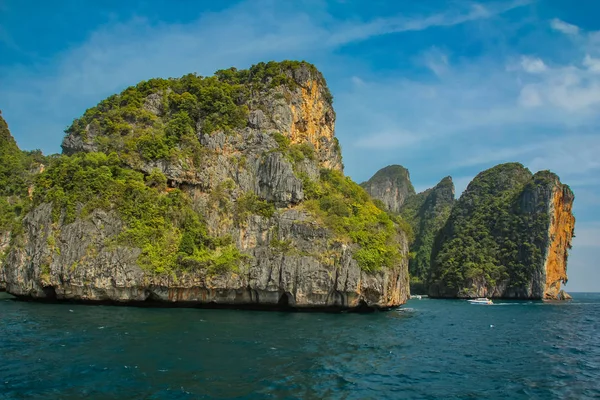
549,196
311,273
391,185
224,191
508,236
426,212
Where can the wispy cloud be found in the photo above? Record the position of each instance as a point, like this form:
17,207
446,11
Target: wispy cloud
483,98
356,32
564,27
120,54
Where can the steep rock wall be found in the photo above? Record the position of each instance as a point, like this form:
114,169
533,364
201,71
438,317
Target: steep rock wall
560,232
309,273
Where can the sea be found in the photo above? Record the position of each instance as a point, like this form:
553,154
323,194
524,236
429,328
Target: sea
426,349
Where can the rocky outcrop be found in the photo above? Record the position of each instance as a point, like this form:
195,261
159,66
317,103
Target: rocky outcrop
308,274
281,137
426,212
548,195
508,236
391,185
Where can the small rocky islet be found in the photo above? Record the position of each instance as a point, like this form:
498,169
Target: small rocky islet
228,191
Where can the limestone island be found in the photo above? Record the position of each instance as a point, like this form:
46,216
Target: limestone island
208,191
507,236
229,191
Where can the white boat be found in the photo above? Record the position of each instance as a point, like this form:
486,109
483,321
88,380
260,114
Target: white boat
481,300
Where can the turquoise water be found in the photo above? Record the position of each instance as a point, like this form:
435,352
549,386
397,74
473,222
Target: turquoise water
429,349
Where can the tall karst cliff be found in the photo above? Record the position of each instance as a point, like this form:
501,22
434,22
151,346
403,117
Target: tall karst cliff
426,212
507,236
223,190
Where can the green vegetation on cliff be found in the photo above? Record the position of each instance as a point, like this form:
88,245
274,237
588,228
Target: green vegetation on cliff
349,212
160,222
15,178
427,212
159,118
492,235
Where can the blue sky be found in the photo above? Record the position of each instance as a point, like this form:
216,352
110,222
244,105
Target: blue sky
441,87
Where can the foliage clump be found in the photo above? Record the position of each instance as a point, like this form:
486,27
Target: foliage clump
294,153
161,223
250,204
160,118
17,169
348,211
273,74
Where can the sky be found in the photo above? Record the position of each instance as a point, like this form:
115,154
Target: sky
442,87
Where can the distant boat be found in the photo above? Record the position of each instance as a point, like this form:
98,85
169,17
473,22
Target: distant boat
481,300
416,296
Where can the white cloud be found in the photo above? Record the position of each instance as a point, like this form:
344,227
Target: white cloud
592,64
564,27
570,87
352,33
533,65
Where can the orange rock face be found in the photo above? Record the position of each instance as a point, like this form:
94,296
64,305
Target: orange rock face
314,121
562,225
